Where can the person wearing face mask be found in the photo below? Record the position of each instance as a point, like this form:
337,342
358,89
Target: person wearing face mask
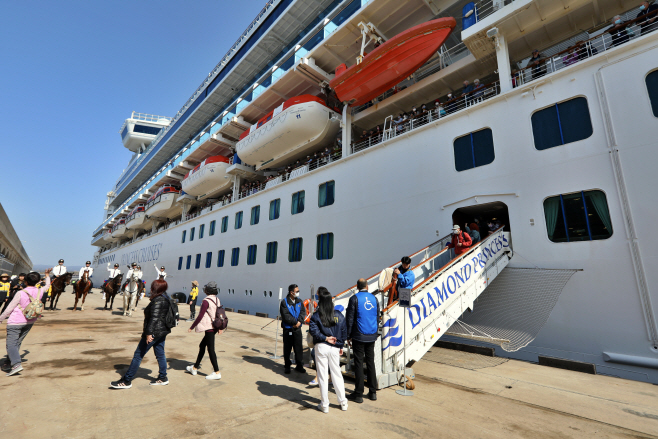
461,241
292,313
647,17
618,31
406,277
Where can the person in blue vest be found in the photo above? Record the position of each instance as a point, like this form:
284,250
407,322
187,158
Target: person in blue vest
406,277
293,314
362,331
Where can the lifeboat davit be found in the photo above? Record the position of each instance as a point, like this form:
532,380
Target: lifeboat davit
391,62
208,178
119,229
290,131
137,218
162,204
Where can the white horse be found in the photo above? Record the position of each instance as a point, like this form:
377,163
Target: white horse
130,295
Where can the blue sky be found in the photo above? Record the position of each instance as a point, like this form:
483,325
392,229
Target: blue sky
72,72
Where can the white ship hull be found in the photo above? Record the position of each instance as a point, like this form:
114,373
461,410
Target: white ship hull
291,134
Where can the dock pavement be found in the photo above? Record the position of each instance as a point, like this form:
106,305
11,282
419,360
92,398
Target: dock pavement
71,357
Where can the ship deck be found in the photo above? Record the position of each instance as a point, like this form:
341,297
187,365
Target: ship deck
70,358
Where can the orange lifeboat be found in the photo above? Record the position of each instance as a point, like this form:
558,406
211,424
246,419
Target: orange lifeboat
208,177
391,62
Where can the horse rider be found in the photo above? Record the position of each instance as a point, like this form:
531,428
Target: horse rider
161,272
114,272
132,269
59,269
90,271
143,284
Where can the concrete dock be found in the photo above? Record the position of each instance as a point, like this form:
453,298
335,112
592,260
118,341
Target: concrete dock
71,357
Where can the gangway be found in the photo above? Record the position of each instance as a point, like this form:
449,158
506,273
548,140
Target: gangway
445,288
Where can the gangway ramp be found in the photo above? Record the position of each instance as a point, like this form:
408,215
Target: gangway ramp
445,288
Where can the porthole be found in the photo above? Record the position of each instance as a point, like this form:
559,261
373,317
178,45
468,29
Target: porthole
251,293
265,293
270,294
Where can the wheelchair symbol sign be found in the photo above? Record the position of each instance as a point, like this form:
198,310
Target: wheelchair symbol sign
368,305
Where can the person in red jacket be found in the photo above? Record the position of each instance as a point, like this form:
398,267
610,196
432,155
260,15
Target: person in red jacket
461,241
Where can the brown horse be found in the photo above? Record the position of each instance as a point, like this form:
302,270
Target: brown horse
81,288
58,286
111,288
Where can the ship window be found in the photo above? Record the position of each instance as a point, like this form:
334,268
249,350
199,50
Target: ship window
192,234
238,220
474,149
275,207
180,263
202,228
325,247
235,256
251,254
298,202
197,262
579,216
326,194
146,130
220,258
255,215
270,256
561,123
295,250
224,224
211,231
208,259
188,263
652,88
182,240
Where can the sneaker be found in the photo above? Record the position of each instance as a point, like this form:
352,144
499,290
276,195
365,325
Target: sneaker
323,409
214,376
121,384
191,370
356,398
372,396
159,382
343,406
300,370
14,370
314,382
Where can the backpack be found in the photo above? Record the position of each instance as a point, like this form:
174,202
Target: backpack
172,317
220,322
34,309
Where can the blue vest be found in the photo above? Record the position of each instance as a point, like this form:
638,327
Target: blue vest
294,311
366,313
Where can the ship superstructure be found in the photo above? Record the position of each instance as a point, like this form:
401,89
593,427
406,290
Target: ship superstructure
555,146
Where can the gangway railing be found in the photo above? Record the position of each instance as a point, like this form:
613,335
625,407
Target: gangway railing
445,287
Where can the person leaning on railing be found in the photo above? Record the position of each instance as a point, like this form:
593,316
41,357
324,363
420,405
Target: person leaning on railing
647,17
620,30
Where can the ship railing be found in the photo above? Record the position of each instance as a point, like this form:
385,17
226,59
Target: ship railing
581,50
398,126
485,8
444,59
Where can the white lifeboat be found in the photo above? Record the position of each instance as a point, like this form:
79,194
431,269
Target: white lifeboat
162,204
137,218
105,237
208,178
290,131
119,229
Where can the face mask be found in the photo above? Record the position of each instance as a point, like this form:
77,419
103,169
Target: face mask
642,8
617,21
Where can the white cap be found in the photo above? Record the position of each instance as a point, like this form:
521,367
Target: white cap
455,228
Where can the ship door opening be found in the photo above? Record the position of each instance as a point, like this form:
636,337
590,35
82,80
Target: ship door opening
490,213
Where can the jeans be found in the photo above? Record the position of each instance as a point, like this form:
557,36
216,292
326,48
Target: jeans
207,342
328,359
158,346
290,342
15,336
366,350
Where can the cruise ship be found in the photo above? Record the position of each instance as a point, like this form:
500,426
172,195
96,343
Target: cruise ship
337,136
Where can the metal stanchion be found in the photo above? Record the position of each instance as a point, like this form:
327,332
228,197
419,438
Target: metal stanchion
276,333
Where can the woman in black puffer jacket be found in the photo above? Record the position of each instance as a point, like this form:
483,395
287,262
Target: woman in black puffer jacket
153,336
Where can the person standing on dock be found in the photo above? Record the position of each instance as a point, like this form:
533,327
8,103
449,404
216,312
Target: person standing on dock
293,314
5,285
362,324
192,300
